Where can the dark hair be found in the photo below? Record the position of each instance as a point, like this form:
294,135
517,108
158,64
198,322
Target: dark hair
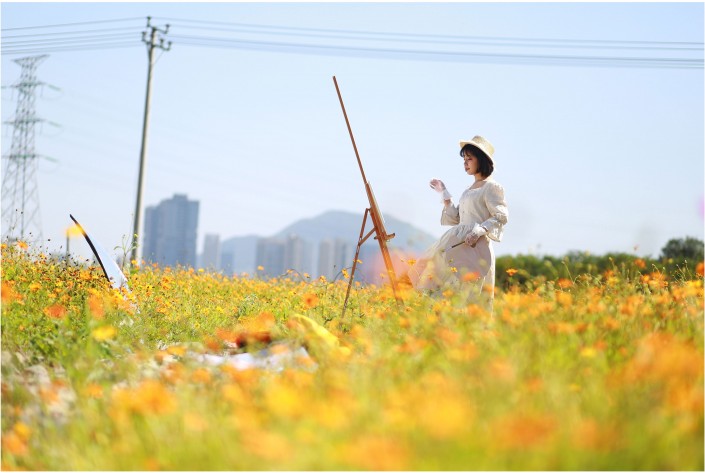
485,165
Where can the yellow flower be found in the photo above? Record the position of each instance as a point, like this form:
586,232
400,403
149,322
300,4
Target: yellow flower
260,268
73,230
512,271
104,333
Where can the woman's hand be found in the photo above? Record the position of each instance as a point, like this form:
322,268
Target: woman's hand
438,186
476,233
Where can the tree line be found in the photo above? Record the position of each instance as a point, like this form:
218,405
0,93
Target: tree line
680,258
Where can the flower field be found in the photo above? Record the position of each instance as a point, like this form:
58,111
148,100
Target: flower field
593,372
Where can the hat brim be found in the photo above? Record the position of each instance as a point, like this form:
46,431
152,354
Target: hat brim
471,143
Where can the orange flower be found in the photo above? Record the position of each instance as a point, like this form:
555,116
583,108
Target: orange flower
176,350
564,283
201,375
263,322
411,262
377,453
56,311
93,390
13,444
471,276
699,270
512,271
95,306
22,245
310,300
524,431
640,263
9,294
150,397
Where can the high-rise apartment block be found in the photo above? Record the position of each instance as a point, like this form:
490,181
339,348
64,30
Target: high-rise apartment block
211,252
333,256
170,231
297,255
270,257
276,256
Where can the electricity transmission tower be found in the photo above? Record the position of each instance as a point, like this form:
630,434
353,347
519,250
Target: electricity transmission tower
20,190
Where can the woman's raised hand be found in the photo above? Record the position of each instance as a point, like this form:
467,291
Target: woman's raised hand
438,186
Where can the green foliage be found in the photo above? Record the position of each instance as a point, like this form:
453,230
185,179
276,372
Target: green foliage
682,255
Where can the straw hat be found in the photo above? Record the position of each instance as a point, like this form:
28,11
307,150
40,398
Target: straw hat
481,144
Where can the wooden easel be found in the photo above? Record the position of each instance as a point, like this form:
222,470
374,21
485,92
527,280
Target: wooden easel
378,229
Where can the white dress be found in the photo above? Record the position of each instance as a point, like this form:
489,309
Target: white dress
470,271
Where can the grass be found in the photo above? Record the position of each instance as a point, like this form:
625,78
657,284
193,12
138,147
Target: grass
592,372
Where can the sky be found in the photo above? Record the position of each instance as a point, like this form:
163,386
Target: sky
593,157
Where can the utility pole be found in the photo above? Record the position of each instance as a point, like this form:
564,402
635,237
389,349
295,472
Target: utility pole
152,44
20,190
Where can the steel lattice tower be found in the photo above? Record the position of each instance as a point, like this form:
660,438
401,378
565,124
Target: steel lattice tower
20,190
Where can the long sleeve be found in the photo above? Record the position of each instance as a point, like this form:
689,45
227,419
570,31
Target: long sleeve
499,213
450,215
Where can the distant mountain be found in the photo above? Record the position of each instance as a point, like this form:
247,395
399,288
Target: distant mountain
346,225
239,254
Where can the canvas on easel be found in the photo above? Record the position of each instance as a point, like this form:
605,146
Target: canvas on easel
373,211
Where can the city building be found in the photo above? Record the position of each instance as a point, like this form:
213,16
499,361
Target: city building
170,231
297,255
211,252
270,257
333,256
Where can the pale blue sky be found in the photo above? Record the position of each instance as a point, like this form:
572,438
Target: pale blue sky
592,158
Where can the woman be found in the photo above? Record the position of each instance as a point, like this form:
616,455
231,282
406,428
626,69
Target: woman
478,219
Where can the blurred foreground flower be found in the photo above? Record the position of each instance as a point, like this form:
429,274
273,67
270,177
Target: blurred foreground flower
104,333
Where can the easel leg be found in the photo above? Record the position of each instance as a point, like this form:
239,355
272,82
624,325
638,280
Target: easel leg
390,268
360,241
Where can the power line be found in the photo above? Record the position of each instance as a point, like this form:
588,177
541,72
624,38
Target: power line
60,33
72,39
88,47
110,41
437,55
486,41
431,36
96,22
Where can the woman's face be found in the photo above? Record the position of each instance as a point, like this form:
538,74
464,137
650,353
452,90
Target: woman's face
471,164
